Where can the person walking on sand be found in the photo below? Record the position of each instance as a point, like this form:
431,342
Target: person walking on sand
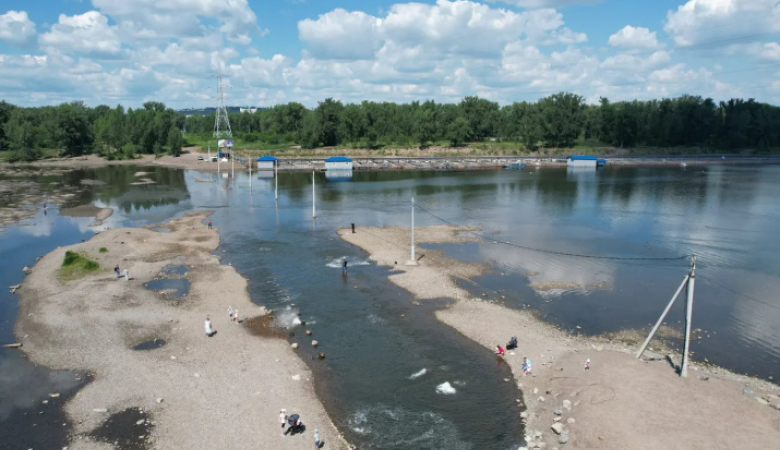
127,275
230,313
526,366
317,442
235,316
587,364
283,419
116,271
208,328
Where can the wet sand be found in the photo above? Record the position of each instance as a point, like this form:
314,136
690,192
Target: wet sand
193,392
620,403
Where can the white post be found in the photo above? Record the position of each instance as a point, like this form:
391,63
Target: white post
209,153
276,180
232,164
313,198
218,159
249,160
688,317
661,319
413,258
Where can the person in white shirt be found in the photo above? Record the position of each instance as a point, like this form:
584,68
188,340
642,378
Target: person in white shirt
283,419
127,275
207,326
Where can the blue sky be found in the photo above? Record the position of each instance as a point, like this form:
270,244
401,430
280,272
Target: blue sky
276,51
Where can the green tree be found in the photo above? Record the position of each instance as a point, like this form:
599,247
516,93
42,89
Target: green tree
175,140
73,133
458,131
562,118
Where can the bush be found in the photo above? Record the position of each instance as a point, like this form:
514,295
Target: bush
76,265
103,250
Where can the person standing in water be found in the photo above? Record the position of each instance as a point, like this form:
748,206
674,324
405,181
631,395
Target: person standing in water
344,266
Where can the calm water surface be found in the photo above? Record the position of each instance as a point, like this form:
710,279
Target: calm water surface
376,340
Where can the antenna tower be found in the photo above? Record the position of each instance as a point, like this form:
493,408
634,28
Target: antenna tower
221,123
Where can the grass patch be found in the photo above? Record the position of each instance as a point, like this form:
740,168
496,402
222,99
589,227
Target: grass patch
75,266
103,250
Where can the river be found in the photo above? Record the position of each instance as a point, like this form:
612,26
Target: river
615,242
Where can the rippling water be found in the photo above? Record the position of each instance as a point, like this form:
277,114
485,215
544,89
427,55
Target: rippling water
393,377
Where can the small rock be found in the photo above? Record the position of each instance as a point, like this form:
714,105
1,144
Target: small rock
173,357
296,377
558,411
308,332
26,270
747,391
536,391
775,406
45,402
159,400
140,422
567,405
57,395
197,375
548,392
570,420
314,343
524,415
762,401
100,410
704,377
557,428
557,419
541,399
294,345
564,437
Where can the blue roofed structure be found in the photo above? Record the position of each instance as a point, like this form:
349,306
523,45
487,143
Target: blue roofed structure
338,163
266,163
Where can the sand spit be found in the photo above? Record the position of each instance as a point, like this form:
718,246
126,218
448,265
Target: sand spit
100,214
194,392
620,403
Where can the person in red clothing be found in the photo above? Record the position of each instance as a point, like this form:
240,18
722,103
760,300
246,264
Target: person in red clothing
499,350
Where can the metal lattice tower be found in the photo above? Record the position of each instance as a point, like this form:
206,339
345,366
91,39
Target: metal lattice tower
221,123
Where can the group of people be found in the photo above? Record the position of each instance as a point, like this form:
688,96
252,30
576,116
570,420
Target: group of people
126,273
512,344
295,426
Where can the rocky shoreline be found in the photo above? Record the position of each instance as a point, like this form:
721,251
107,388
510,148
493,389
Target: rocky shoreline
158,381
620,402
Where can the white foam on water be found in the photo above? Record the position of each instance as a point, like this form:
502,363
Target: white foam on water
445,389
374,319
288,318
418,374
394,428
338,262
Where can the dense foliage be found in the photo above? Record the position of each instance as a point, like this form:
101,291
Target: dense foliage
559,121
73,129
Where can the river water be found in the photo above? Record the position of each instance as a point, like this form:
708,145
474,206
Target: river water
615,243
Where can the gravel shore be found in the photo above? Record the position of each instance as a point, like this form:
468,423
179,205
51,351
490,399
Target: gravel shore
620,403
193,392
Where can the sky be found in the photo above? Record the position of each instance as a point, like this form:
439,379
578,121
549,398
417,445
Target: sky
278,51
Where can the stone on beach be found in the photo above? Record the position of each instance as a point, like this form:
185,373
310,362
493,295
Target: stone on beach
557,428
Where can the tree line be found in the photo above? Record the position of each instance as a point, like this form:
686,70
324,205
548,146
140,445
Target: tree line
556,121
73,129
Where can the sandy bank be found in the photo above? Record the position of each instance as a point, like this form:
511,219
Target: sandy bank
621,403
223,392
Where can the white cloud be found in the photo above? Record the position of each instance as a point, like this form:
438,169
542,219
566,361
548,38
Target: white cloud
164,19
700,22
771,51
542,3
635,38
341,34
446,28
83,33
16,27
